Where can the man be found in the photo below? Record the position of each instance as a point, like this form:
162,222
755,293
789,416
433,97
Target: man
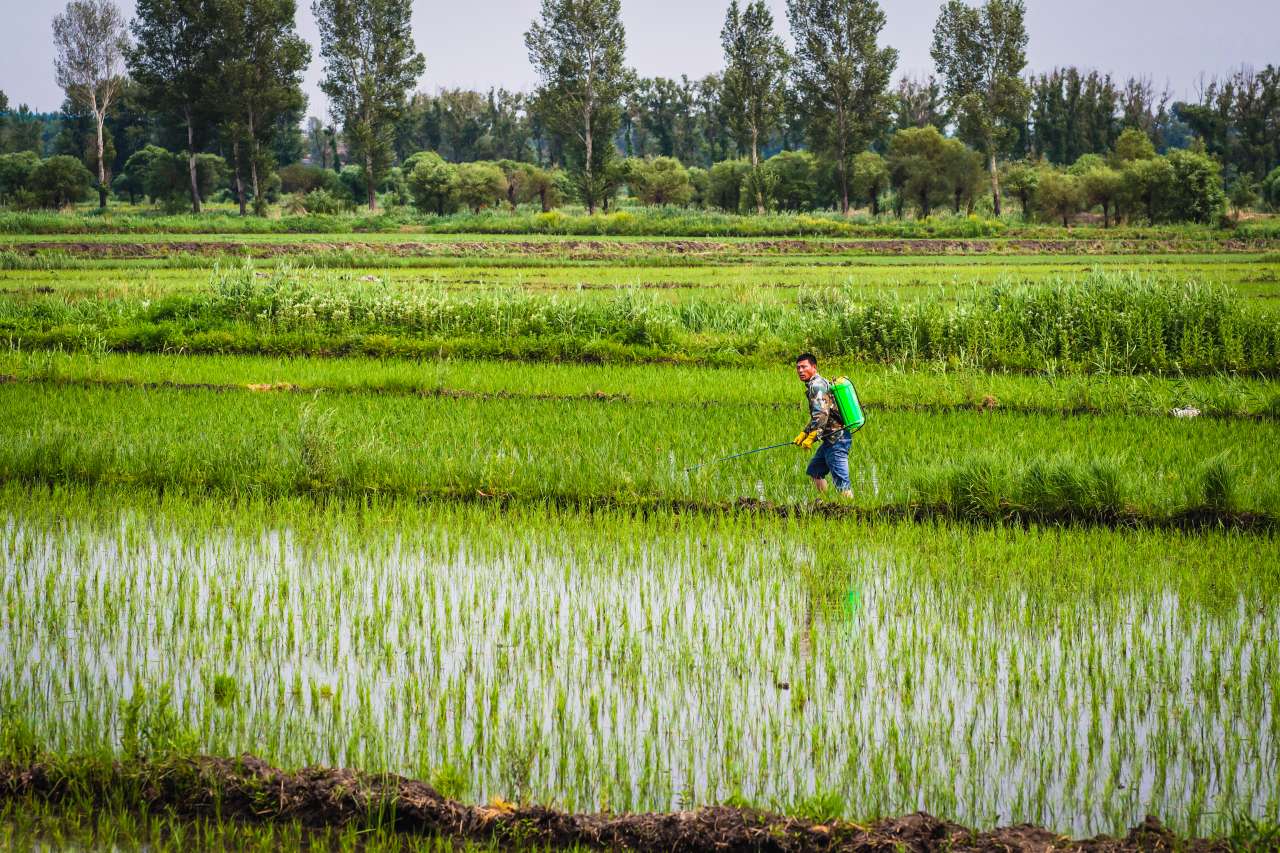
825,423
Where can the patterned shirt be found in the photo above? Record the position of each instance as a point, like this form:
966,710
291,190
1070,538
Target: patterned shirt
824,414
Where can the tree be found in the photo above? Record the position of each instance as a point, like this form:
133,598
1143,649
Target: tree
842,77
577,48
963,171
1271,189
917,103
90,41
724,184
1101,185
755,69
1073,113
1196,188
261,73
980,54
172,60
15,171
370,64
1242,193
700,180
870,179
1149,182
135,178
480,184
795,182
301,178
165,178
59,181
1059,195
917,167
1021,179
659,180
1132,145
130,126
545,185
25,131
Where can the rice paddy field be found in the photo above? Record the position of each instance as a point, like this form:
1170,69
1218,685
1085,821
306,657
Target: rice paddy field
426,512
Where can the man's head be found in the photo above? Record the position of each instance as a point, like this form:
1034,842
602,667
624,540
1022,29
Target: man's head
806,366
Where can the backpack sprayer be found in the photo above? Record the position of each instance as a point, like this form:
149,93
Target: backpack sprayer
846,403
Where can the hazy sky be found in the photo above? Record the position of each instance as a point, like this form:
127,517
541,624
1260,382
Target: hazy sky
479,44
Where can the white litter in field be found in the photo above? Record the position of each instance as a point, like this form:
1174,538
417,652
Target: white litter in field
1186,412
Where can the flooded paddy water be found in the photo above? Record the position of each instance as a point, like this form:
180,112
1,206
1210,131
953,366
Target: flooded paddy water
1077,679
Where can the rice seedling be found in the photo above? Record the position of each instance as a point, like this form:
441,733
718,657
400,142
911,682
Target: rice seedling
1074,678
969,463
463,547
927,388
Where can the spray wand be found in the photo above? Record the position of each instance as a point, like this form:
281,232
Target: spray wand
736,455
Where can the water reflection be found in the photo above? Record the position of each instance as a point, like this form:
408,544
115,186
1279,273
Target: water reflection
648,676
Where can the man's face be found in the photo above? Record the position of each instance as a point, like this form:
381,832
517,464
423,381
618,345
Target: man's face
805,370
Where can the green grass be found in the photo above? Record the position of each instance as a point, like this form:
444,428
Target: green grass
582,452
462,546
629,221
1105,322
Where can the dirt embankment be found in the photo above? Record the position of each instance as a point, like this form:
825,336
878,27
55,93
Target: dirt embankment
249,789
581,250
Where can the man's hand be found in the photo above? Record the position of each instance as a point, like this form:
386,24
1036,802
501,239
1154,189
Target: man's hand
805,440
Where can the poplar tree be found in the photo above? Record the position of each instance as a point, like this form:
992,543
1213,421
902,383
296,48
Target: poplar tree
370,65
578,49
842,77
90,41
172,60
980,53
755,71
261,74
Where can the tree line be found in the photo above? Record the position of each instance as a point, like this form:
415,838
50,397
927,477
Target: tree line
219,82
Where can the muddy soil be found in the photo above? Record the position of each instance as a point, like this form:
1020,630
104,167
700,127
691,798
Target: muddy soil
249,789
580,250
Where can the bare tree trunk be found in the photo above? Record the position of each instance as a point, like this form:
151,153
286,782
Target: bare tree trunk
844,185
875,201
191,163
755,164
253,163
841,165
99,117
235,159
368,180
589,183
995,181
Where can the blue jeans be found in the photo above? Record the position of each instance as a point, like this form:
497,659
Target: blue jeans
833,458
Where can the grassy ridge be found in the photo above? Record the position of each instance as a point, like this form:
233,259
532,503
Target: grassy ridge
985,466
1104,322
879,386
630,222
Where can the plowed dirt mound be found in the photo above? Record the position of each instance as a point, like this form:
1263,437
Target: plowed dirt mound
249,789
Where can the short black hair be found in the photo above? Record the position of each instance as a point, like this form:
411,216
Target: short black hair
807,356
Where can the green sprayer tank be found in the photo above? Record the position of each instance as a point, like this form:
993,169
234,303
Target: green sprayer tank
847,403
